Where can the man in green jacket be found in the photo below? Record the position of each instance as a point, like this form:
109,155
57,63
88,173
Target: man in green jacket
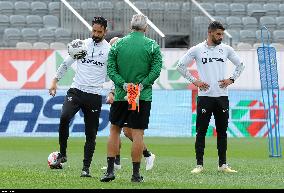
133,59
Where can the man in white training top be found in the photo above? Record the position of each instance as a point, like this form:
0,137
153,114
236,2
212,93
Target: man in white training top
211,56
85,91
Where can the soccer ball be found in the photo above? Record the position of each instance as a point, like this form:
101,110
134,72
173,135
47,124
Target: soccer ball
77,49
53,161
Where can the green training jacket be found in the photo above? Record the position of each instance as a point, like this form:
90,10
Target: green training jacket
134,59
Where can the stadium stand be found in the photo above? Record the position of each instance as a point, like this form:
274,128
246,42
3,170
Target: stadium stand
12,36
234,22
54,8
238,9
278,46
50,22
185,17
40,45
6,8
62,35
46,35
222,9
142,6
89,9
39,8
255,10
173,15
174,18
236,36
244,46
271,9
281,10
247,36
34,21
4,23
17,21
29,35
280,22
58,46
250,23
268,21
24,45
278,36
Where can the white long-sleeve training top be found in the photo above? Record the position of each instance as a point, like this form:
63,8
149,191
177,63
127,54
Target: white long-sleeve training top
211,66
91,71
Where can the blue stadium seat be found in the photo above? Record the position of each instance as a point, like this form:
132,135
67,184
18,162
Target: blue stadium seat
255,10
142,6
269,22
29,35
235,35
238,9
247,36
50,21
4,23
22,8
54,8
6,8
62,35
39,8
40,45
208,7
57,46
24,45
244,46
281,9
222,9
280,22
250,23
272,9
17,21
278,36
234,22
46,35
90,9
34,21
12,36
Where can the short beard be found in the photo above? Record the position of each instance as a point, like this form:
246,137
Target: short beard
97,40
217,42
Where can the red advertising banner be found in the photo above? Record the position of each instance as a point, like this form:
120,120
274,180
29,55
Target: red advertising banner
23,69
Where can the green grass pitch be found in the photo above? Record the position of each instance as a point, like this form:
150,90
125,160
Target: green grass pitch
23,165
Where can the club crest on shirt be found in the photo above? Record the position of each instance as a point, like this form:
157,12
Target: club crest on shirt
101,53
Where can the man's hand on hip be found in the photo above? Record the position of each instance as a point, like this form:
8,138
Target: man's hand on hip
224,83
201,85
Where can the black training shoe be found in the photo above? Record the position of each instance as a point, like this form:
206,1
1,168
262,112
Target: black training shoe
137,178
61,158
108,177
58,166
85,173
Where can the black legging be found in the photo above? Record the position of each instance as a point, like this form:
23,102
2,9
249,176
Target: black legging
91,107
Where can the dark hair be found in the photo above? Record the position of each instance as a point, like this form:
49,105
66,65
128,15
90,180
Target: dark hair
100,20
214,25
